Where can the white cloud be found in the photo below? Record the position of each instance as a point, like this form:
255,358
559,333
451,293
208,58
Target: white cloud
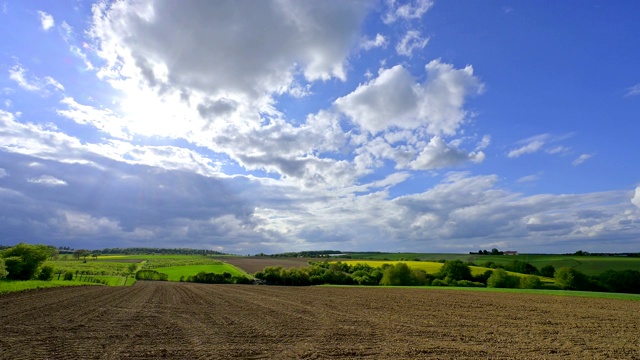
636,198
410,42
438,154
3,173
378,41
393,99
581,159
526,149
46,20
410,10
17,73
44,143
47,180
311,37
634,90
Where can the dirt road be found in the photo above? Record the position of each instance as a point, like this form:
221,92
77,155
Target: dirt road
194,321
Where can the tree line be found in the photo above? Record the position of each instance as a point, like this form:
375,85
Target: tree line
452,273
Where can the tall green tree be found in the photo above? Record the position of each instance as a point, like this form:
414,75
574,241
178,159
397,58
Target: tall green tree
455,270
398,274
22,261
572,279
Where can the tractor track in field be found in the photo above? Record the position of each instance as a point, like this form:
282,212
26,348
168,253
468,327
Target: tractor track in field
153,320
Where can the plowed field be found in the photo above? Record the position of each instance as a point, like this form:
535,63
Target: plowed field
195,321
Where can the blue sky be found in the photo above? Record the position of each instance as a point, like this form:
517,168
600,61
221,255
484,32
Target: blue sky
246,127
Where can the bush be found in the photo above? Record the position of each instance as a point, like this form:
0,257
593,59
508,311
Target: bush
22,261
500,279
68,275
466,283
3,269
531,282
151,275
46,273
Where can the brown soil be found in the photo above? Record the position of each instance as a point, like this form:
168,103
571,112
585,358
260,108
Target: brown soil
195,321
255,264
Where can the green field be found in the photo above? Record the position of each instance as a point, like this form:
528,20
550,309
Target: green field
14,286
94,267
175,272
432,267
589,265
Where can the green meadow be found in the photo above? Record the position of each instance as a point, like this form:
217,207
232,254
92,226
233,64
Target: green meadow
589,265
176,272
431,267
15,286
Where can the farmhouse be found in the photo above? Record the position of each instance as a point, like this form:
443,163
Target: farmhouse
511,253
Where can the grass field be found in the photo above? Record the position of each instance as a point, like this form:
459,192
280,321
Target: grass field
15,286
589,265
96,267
175,272
428,266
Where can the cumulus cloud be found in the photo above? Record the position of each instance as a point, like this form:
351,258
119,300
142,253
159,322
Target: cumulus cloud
635,200
410,42
438,154
311,37
407,11
394,99
581,159
46,20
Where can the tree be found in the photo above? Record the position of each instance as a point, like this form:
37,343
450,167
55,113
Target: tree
22,261
625,281
455,270
3,269
501,279
521,267
131,270
547,271
398,274
572,279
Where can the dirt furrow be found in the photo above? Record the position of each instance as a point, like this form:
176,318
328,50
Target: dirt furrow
178,320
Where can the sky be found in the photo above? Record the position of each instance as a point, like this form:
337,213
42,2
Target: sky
281,125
